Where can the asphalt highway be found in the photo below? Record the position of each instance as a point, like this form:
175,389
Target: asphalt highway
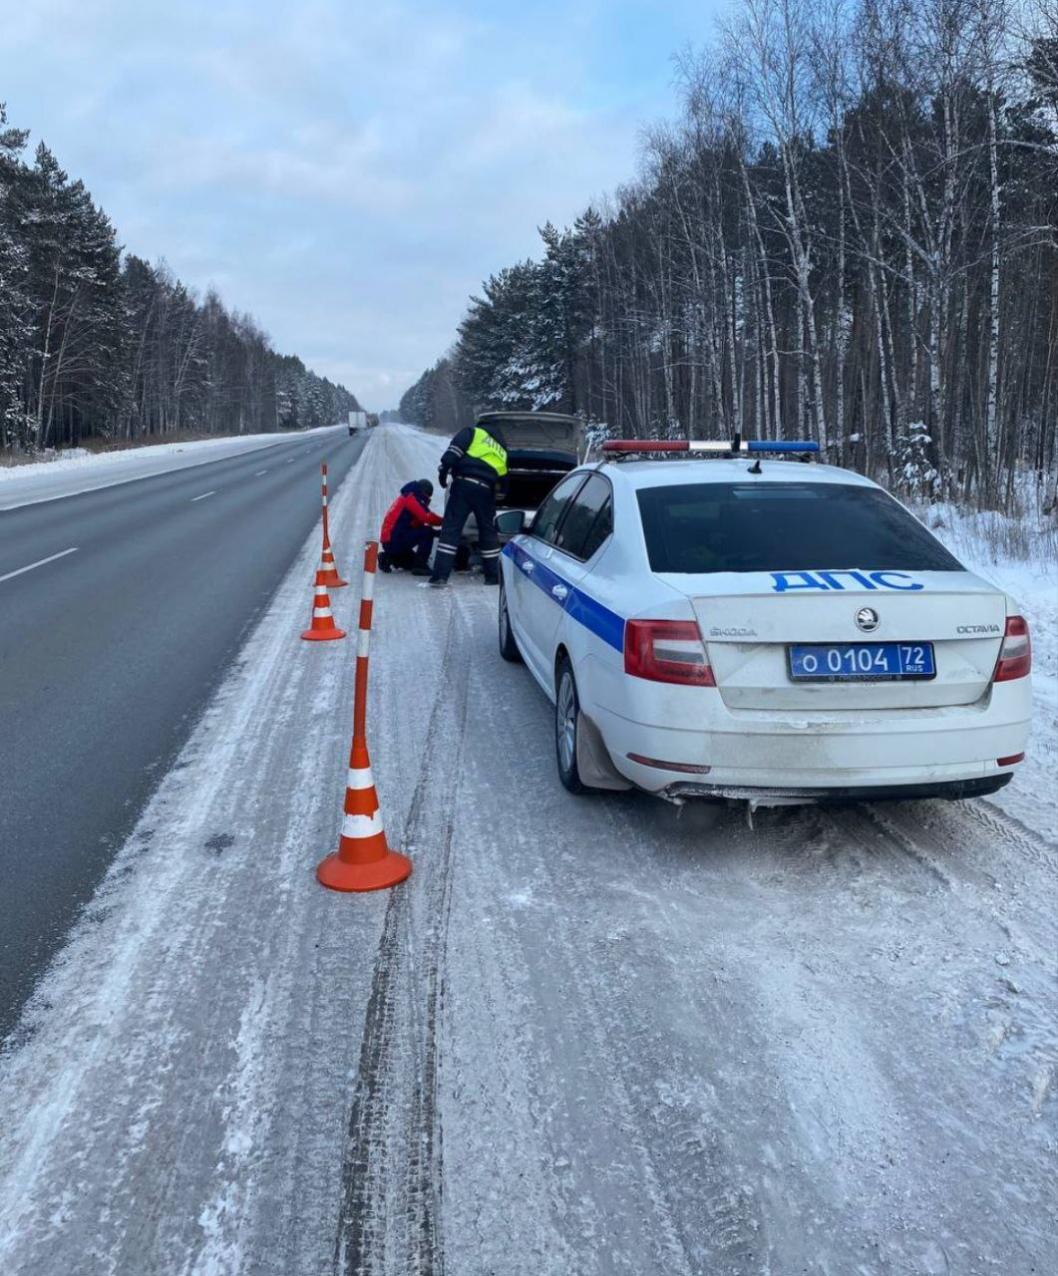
119,611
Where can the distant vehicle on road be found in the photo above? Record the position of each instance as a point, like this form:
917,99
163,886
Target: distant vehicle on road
372,420
357,421
776,633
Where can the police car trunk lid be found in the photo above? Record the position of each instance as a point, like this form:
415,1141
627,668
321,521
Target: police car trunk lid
748,620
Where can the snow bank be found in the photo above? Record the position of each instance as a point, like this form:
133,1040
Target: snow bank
78,470
1020,557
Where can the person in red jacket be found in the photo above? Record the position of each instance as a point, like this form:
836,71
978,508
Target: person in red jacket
408,529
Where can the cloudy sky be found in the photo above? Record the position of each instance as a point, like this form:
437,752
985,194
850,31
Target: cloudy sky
346,172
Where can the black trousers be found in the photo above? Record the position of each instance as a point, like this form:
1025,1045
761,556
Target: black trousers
465,498
409,547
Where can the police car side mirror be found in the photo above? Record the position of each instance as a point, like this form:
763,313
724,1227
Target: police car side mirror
511,522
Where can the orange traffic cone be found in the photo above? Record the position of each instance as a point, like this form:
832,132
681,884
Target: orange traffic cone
363,860
331,578
328,567
323,627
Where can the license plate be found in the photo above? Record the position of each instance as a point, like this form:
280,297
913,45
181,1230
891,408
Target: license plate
861,661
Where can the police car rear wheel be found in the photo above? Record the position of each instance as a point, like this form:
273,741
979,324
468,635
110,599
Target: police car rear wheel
508,642
567,723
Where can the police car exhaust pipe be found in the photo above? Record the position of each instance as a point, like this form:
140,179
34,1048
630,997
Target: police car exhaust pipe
364,860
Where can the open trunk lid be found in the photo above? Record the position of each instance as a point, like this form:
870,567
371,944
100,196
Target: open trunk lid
536,431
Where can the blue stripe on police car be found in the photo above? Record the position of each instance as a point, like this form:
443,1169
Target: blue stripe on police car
581,607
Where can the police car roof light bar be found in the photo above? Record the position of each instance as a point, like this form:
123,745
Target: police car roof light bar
710,447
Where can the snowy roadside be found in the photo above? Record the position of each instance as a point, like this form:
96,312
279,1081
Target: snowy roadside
67,475
588,1036
1033,585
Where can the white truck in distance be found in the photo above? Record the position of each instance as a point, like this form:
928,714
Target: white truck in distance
357,420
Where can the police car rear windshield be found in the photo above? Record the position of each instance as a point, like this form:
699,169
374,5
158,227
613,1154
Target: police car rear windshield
775,527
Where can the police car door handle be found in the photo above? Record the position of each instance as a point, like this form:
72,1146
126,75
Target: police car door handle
560,592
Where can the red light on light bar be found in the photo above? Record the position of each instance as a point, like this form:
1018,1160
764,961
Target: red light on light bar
647,445
1010,761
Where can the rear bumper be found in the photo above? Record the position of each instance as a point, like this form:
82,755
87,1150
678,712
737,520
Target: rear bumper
948,790
944,753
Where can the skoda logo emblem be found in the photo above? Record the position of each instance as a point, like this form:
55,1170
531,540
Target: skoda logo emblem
867,620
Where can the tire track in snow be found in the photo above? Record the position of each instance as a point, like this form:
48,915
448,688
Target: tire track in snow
862,822
392,1169
1000,823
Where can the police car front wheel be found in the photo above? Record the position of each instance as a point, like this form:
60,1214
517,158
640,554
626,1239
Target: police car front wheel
508,642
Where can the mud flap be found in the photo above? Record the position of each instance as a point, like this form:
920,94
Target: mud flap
593,760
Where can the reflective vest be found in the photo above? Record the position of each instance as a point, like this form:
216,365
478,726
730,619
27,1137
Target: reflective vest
483,447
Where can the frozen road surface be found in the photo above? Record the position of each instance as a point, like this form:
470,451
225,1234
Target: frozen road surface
588,1036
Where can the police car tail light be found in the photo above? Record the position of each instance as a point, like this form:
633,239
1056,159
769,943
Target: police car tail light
1015,655
667,651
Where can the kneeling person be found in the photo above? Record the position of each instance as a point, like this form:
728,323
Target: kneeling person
408,529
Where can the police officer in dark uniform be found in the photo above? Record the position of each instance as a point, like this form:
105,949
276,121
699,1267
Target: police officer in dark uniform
476,458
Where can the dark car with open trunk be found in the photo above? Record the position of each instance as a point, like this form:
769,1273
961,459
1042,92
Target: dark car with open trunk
541,448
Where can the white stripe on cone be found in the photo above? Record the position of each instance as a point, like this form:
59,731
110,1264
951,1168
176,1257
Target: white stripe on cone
318,613
362,825
360,778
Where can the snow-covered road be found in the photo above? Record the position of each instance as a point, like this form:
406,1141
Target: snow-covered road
589,1036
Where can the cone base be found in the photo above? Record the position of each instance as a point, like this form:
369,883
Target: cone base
322,635
337,875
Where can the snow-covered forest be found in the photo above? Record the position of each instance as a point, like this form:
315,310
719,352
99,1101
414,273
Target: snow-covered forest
848,234
95,343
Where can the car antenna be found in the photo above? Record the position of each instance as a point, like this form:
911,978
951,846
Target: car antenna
755,467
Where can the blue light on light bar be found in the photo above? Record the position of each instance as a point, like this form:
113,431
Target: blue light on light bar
779,445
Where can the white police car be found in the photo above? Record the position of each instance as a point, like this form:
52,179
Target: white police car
773,631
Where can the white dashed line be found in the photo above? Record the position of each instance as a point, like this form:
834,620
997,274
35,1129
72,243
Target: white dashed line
40,563
203,496
259,473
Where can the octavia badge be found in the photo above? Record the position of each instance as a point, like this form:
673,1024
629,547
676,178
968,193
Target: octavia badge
867,620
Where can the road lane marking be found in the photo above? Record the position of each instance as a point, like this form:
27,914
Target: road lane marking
203,496
259,473
40,563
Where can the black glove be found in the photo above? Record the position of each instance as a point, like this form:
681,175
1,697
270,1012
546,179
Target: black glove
442,477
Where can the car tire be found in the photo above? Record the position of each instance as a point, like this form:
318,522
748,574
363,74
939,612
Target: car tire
508,642
567,726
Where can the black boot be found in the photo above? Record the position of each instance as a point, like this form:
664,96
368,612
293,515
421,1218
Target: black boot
383,562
